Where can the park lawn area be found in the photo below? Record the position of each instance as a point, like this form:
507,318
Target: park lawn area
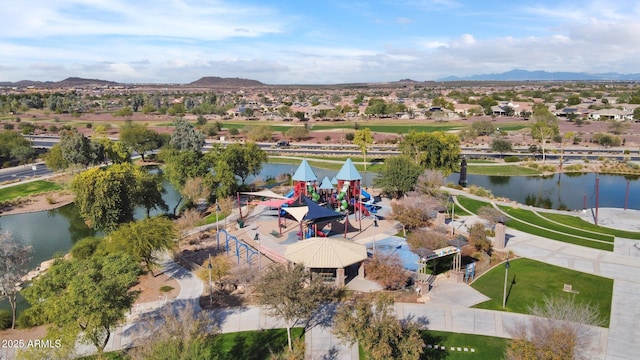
530,281
252,345
543,232
26,189
246,345
470,204
486,347
530,217
571,220
501,170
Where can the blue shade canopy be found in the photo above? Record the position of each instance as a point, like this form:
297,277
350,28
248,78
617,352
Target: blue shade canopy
326,184
334,181
304,172
348,172
319,213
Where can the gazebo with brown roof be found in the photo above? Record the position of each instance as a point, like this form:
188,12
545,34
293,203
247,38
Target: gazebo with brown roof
332,258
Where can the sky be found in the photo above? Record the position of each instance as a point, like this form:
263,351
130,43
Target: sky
312,42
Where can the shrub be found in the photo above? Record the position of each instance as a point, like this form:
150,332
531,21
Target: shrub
85,248
234,131
166,288
480,191
511,158
5,319
28,319
350,136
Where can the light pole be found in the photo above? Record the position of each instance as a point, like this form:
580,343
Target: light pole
375,225
506,275
453,216
217,226
257,239
210,283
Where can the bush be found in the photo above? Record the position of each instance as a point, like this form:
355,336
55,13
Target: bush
480,191
28,319
234,131
5,319
350,136
85,248
511,158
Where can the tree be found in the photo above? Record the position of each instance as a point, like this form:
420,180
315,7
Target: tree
569,135
478,238
501,145
139,138
363,139
186,137
259,133
107,197
10,140
195,190
76,148
545,127
387,269
297,133
636,114
374,326
483,127
413,211
435,151
14,265
398,176
183,165
559,330
288,294
618,127
244,159
143,239
174,334
429,183
85,299
124,112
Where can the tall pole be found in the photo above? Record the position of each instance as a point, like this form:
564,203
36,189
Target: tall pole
217,226
375,225
453,216
626,196
257,239
210,282
506,275
597,196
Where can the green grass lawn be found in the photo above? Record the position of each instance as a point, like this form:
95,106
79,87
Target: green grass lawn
246,345
530,281
471,204
486,347
502,170
530,217
591,241
571,220
252,345
22,190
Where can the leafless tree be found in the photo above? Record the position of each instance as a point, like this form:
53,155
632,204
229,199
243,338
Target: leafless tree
14,262
492,215
429,182
561,329
177,333
414,210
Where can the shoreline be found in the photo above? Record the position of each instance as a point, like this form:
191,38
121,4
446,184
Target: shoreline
39,202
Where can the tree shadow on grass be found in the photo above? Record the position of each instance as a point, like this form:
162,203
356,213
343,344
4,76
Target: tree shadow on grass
252,345
430,351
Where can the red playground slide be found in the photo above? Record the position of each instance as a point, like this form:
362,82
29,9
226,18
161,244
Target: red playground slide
362,209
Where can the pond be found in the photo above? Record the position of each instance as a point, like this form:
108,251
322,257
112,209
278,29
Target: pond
561,191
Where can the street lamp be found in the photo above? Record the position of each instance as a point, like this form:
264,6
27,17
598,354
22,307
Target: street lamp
506,275
210,283
257,239
453,216
217,226
375,225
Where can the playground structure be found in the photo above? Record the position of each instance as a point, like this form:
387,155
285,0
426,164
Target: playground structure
238,245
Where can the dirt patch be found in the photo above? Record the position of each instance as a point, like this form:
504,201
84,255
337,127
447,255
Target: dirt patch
150,287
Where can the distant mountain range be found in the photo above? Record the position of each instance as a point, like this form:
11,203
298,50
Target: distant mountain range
207,81
525,75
